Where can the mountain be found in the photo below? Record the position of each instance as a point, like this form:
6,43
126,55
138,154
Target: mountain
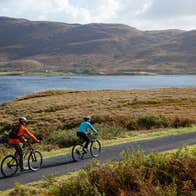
94,48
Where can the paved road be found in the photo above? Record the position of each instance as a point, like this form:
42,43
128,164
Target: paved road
63,164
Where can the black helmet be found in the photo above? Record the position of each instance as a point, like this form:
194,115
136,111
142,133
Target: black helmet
87,118
22,120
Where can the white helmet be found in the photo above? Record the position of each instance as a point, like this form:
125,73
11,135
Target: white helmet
87,118
22,120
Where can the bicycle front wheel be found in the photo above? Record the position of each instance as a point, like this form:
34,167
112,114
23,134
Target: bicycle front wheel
35,160
9,166
95,148
77,152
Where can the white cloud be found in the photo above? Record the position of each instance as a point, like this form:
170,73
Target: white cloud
143,14
164,14
171,8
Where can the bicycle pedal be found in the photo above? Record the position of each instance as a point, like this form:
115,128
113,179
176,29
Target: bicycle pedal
78,152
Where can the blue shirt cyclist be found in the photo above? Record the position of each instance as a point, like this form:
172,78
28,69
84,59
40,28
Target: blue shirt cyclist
83,130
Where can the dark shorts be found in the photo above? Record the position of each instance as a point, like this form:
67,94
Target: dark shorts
84,137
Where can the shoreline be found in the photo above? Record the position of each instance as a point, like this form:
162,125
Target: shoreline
95,90
21,73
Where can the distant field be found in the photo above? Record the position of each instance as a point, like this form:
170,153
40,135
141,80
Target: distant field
22,73
59,108
11,73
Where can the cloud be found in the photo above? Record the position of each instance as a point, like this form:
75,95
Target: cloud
168,8
164,14
82,11
143,14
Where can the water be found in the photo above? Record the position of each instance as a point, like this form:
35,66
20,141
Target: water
12,87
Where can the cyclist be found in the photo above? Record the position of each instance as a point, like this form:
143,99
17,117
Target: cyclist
16,139
83,130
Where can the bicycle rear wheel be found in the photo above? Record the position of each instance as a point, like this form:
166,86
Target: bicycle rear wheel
9,166
95,148
35,160
77,152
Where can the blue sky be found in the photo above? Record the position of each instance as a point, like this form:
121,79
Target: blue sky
142,14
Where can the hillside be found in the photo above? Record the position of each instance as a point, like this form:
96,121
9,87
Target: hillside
94,48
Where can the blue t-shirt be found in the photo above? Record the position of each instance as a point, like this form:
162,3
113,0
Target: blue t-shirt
84,126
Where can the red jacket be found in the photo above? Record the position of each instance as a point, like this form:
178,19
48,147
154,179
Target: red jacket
22,131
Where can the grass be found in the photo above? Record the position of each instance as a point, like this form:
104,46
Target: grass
169,173
11,73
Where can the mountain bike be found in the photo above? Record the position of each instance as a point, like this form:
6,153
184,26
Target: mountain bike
78,151
32,158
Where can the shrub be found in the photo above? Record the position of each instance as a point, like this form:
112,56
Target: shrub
63,138
180,122
136,174
151,121
110,131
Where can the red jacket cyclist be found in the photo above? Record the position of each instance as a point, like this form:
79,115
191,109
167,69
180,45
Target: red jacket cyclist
16,140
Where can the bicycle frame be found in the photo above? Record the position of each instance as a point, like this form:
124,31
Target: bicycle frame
91,137
26,150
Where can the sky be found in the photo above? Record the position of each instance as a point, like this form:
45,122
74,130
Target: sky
142,14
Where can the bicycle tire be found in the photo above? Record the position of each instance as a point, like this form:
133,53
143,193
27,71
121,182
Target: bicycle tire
77,152
35,160
95,148
9,166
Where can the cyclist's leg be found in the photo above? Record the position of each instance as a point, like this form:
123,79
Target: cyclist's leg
85,138
87,141
19,151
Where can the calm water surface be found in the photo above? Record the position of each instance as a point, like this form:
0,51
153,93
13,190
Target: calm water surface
12,87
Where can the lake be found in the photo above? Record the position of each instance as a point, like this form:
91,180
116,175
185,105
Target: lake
12,87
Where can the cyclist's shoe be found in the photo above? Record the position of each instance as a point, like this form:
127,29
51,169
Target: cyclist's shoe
78,152
24,169
85,150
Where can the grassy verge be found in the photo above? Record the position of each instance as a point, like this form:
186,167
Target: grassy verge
129,137
170,173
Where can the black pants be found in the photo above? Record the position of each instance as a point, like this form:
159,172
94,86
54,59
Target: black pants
84,137
19,151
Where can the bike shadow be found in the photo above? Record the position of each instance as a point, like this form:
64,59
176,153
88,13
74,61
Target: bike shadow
49,163
66,161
